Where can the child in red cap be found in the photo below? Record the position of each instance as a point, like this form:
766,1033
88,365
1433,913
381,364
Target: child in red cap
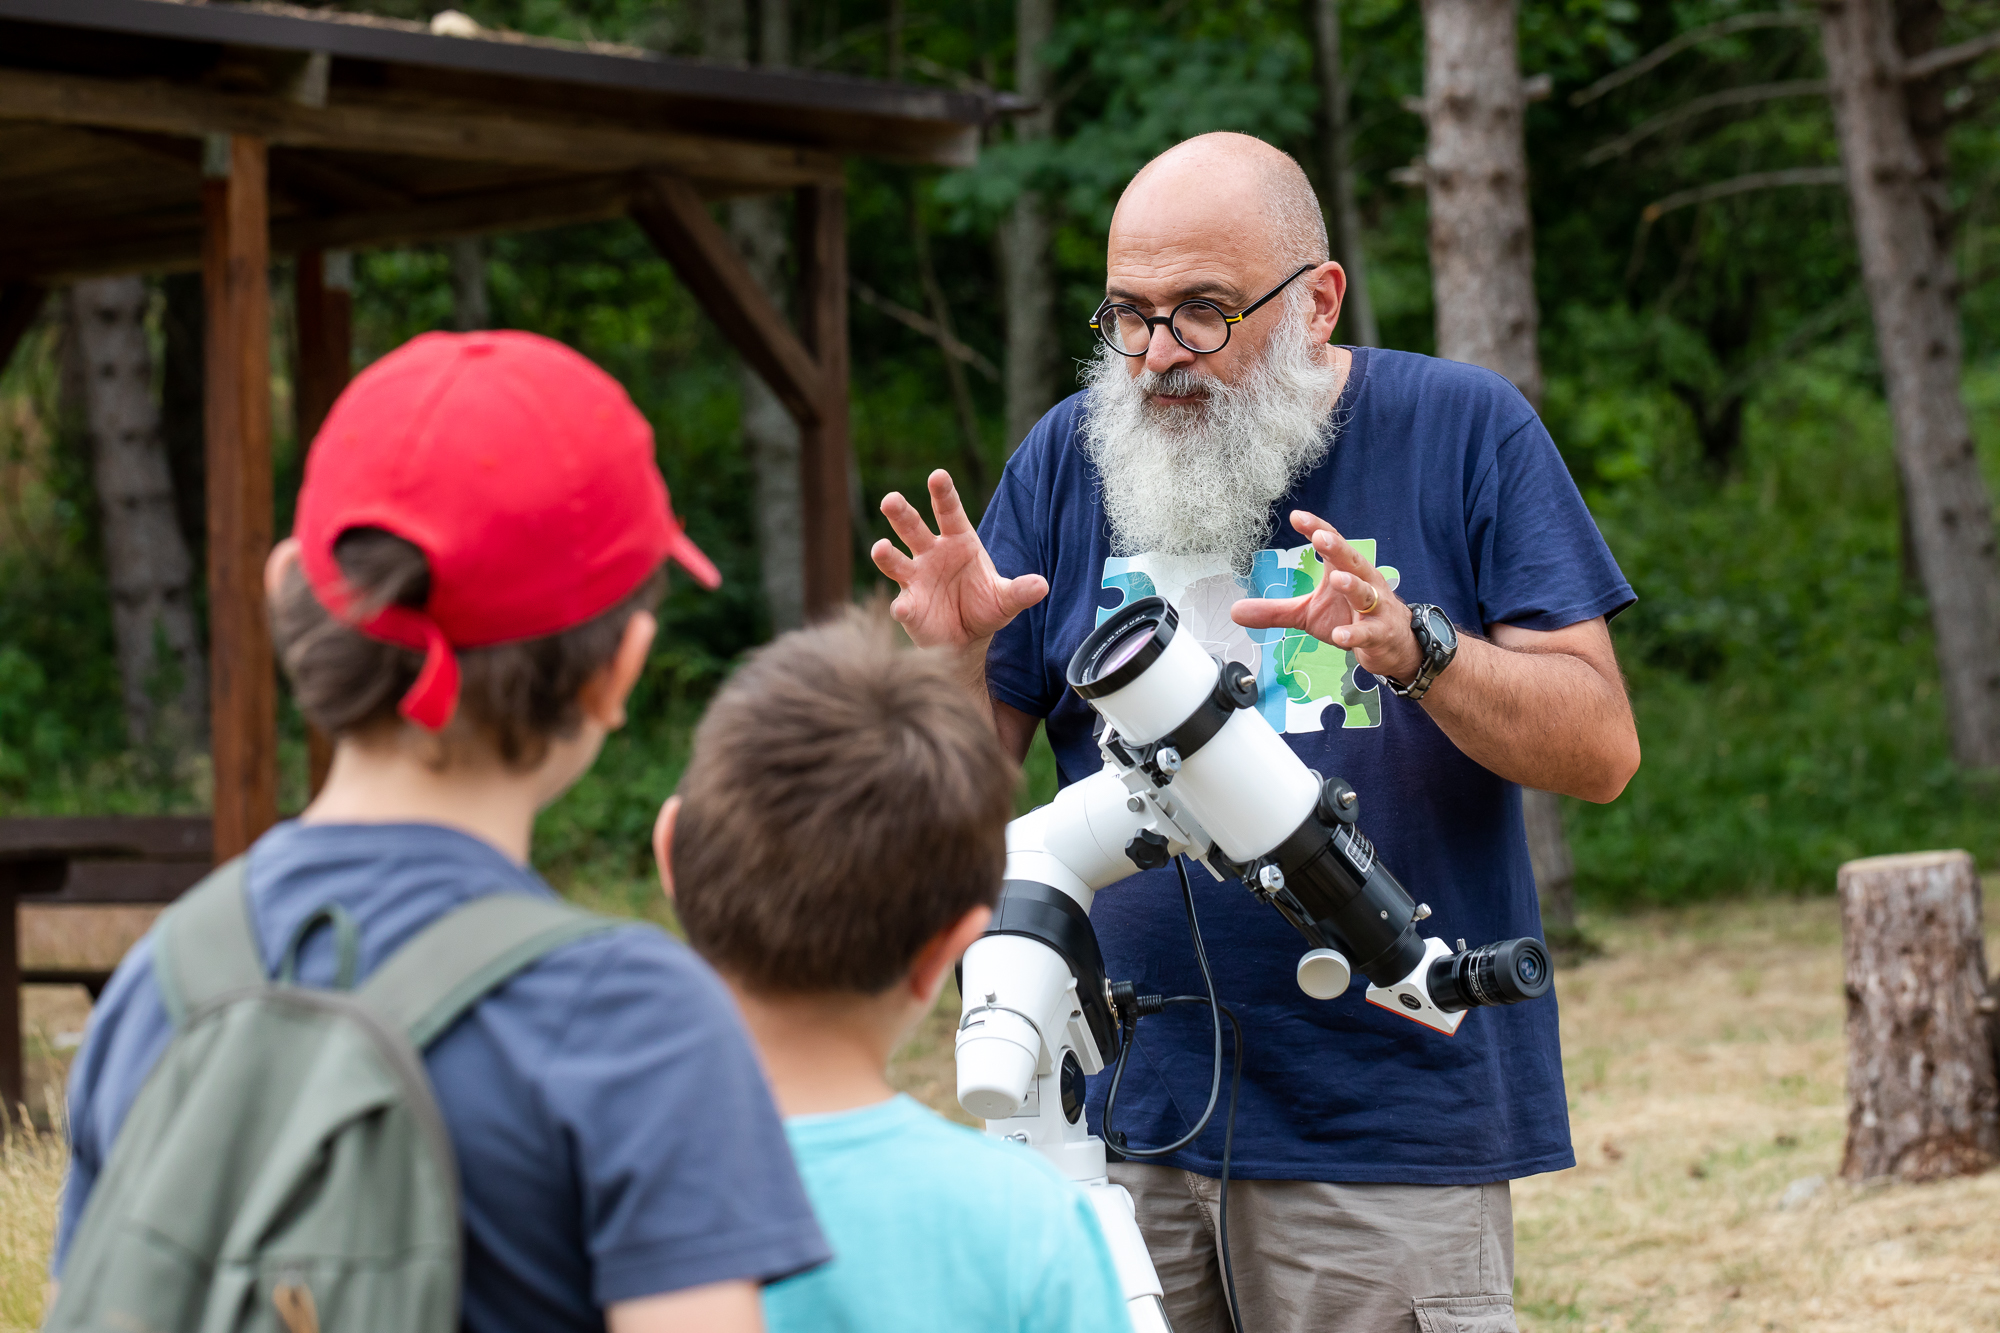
464,608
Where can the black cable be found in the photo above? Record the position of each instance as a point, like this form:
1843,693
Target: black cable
1228,1143
1218,1011
1124,1047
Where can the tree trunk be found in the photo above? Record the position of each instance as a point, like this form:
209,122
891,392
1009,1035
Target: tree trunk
1343,219
1026,240
184,331
470,307
1902,222
1476,173
770,436
1555,868
1483,276
1921,1097
160,670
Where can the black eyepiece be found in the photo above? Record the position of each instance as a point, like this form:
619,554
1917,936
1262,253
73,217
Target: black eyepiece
1506,972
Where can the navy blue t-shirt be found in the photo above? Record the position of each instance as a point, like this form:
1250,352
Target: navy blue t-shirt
1444,477
614,1133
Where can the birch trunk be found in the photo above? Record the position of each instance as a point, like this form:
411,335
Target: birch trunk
160,670
1483,275
1343,218
1902,223
1921,1096
1026,240
770,436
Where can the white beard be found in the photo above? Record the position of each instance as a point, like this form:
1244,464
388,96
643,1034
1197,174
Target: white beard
1200,481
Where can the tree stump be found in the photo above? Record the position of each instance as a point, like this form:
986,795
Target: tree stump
1921,1097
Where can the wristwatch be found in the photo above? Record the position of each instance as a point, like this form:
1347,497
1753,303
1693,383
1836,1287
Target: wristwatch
1439,643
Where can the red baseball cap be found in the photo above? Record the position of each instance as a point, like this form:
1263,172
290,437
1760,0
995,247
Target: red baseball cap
520,470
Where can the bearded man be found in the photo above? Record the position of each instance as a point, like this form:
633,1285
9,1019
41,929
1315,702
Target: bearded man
1325,515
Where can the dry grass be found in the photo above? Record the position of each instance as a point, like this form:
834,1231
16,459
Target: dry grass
1706,1073
1705,1067
31,1167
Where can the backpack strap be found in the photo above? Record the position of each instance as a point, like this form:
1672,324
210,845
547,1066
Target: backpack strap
205,946
425,986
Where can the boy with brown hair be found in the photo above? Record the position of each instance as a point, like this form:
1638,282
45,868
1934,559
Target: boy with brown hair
464,608
837,842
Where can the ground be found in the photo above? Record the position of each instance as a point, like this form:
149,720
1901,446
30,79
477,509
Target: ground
1704,1059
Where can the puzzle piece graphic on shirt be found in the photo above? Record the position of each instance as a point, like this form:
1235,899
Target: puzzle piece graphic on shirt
1297,675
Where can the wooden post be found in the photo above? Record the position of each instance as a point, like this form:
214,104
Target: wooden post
823,454
1921,1098
242,682
325,297
11,1089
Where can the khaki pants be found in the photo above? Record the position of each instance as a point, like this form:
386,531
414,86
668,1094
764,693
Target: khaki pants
1316,1258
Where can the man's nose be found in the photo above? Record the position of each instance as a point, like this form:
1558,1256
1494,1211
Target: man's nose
1164,352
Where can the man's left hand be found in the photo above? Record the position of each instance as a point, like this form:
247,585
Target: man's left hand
1379,635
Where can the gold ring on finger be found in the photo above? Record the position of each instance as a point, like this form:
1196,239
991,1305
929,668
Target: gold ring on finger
1374,600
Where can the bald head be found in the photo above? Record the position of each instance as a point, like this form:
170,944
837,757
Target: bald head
1227,192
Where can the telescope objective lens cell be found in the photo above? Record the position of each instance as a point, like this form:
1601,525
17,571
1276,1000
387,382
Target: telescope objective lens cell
1123,651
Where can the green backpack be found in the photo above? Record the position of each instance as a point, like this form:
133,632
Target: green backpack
285,1168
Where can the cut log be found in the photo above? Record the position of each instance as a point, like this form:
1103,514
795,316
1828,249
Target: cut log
1921,1097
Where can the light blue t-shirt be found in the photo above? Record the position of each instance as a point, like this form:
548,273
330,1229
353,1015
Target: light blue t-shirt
935,1226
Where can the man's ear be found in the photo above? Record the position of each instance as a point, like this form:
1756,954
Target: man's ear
278,564
1329,289
663,842
604,694
935,958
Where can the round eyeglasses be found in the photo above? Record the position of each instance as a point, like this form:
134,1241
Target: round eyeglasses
1199,325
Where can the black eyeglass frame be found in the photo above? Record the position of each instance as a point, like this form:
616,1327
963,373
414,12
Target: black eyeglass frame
1229,321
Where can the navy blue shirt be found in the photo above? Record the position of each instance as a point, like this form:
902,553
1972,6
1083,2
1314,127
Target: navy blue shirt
1443,476
614,1134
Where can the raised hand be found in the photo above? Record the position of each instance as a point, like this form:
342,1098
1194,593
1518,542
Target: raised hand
1352,608
951,596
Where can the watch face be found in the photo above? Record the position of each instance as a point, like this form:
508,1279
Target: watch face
1441,629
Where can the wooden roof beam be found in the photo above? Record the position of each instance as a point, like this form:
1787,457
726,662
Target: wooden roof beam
707,263
172,243
454,134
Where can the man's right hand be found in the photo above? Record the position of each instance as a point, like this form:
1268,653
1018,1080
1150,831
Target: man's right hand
951,596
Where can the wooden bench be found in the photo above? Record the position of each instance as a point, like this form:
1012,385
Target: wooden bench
80,861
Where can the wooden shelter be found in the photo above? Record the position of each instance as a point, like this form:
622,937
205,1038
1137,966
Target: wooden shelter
151,136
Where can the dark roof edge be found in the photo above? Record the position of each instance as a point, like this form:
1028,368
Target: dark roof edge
231,25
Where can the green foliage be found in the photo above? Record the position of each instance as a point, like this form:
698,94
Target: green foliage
1779,664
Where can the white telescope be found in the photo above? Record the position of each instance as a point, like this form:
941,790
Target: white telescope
1190,769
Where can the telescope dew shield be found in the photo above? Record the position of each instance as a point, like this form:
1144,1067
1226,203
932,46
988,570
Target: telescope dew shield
1148,681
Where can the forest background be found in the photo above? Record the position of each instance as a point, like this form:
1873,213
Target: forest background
1711,379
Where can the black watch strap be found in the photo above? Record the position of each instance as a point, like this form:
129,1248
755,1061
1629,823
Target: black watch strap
1437,654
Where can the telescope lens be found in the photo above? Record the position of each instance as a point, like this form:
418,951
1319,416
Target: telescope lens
1123,651
1120,650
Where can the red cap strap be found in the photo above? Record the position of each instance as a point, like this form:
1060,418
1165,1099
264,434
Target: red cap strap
434,698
